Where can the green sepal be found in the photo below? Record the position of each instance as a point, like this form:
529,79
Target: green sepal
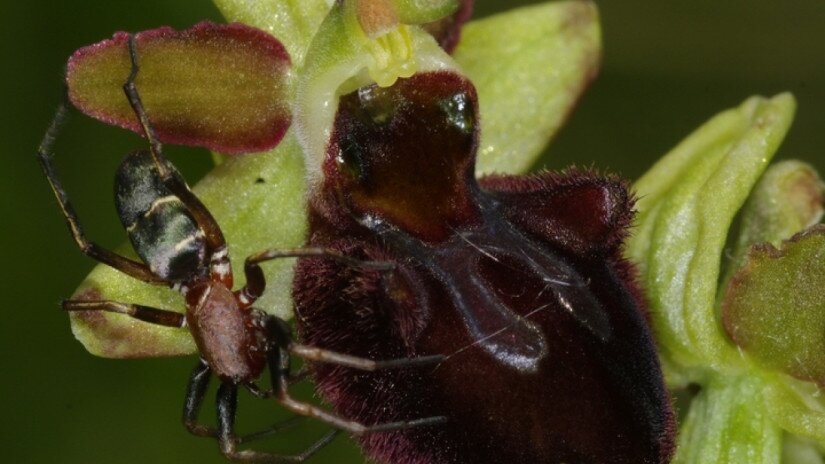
529,66
293,22
258,200
774,306
424,11
727,423
687,202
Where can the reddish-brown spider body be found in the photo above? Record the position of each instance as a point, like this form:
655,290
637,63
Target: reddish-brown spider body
230,336
233,341
180,245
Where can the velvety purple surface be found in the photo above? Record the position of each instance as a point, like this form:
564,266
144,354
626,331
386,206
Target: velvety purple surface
590,399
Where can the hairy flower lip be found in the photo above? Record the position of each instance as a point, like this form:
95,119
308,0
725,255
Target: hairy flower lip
581,373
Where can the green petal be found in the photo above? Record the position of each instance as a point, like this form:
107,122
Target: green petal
258,200
293,22
727,423
687,202
774,307
224,87
529,65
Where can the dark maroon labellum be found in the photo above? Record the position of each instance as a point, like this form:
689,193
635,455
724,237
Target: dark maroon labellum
518,280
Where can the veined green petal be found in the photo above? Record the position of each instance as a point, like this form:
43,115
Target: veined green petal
258,200
529,65
293,22
727,423
687,203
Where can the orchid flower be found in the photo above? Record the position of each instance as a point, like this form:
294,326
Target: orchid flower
745,325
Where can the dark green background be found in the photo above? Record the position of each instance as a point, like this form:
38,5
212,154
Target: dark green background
668,66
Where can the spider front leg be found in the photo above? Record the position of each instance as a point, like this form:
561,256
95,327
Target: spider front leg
130,267
279,366
256,282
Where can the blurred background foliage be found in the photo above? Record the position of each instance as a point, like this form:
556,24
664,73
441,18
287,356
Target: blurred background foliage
668,66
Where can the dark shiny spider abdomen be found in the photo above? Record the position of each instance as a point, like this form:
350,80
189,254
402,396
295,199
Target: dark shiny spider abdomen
160,227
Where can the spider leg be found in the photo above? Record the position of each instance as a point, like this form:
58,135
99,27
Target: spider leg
279,370
195,392
274,429
256,283
227,403
130,267
140,312
292,379
332,357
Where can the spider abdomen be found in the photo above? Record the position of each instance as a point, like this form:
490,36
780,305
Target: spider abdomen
160,227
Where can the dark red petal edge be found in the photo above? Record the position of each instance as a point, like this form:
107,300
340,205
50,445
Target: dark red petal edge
447,31
255,37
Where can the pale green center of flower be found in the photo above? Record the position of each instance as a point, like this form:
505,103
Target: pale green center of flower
375,24
392,56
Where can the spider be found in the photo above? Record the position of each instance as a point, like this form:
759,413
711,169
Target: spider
182,246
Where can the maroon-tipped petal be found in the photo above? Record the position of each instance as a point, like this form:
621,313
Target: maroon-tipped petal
219,86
